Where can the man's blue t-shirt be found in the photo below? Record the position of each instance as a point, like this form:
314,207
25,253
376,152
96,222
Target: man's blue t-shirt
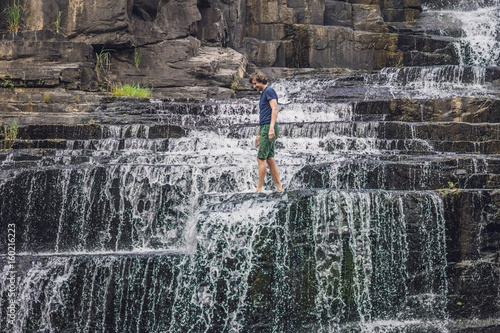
265,108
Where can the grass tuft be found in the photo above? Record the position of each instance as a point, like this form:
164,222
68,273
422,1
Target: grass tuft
58,21
9,133
130,90
103,60
14,16
137,57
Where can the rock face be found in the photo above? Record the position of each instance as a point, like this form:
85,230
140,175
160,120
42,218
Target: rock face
352,34
152,42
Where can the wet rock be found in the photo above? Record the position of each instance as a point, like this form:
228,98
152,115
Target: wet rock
473,109
473,253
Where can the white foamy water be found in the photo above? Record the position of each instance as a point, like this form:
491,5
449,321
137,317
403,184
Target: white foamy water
427,82
480,45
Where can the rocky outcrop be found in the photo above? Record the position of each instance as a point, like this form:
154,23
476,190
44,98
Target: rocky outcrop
115,23
312,34
59,62
153,43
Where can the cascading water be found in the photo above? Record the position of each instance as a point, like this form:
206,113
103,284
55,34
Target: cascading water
480,45
135,228
477,52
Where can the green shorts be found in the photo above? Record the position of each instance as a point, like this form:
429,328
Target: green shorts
266,146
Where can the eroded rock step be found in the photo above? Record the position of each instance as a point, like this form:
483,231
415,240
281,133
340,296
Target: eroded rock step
119,218
60,63
455,131
234,172
434,131
332,145
66,108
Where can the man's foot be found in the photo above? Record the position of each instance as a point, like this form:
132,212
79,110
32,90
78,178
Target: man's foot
280,189
258,189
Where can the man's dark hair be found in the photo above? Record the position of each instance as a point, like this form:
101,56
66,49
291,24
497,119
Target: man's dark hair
261,78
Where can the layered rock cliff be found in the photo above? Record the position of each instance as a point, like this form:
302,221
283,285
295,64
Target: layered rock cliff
204,46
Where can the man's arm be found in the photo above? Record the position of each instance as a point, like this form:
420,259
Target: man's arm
274,116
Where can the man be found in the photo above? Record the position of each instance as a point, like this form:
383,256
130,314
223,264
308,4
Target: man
268,130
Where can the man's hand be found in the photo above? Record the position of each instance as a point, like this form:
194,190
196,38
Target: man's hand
257,141
271,134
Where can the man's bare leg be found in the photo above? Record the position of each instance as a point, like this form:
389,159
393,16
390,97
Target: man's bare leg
274,172
262,174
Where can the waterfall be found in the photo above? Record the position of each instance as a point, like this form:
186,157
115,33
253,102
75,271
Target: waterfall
154,226
480,45
249,248
428,82
159,235
165,235
477,49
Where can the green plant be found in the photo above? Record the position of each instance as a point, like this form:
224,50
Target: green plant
9,133
14,16
130,90
6,82
103,60
453,188
58,21
46,98
235,85
137,57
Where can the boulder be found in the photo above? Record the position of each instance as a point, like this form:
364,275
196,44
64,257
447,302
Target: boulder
181,63
368,18
58,63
